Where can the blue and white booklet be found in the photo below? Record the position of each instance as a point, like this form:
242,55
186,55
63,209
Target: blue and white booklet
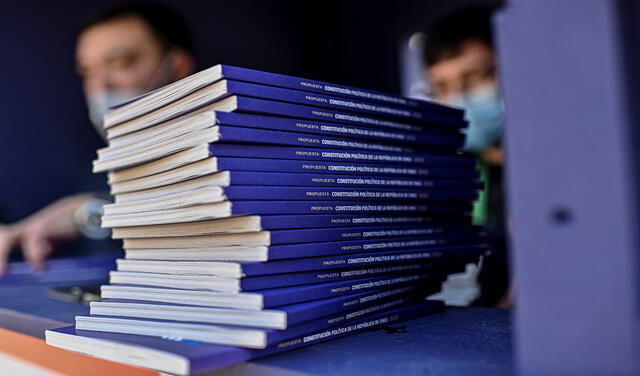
182,357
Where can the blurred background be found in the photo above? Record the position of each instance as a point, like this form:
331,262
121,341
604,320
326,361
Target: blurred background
46,141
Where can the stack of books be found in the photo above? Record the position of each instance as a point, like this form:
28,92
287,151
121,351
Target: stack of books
267,212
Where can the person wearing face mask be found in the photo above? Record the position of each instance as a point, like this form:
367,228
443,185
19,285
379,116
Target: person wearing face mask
121,52
460,68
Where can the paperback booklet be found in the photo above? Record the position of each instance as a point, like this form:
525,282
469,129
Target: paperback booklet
250,337
262,292
238,270
213,165
227,209
276,318
253,178
139,153
191,357
170,93
254,223
211,194
204,151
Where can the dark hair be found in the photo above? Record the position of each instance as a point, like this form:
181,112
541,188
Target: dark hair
167,25
444,37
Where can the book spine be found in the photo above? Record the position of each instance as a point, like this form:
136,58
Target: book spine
365,322
315,207
364,260
316,167
275,108
359,233
317,180
291,251
280,222
319,154
274,79
339,194
276,137
340,318
342,104
353,281
426,137
304,312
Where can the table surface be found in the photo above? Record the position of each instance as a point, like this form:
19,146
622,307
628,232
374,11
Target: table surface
459,341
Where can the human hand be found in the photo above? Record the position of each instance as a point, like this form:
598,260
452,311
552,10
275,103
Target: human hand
38,233
8,240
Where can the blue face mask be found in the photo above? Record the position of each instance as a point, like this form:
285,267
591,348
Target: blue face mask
484,111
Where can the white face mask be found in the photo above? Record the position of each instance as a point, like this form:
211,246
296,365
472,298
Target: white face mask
98,103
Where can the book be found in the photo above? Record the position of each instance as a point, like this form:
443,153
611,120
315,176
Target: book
297,236
285,134
226,209
251,178
172,129
253,223
168,94
189,357
204,151
239,270
218,164
212,194
271,291
204,102
197,159
276,318
224,334
118,159
188,251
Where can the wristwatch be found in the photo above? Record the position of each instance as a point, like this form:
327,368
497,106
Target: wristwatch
88,218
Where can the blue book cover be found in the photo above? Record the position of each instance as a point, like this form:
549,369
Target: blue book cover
303,312
287,289
244,336
417,255
330,102
297,83
249,192
239,270
235,134
299,250
295,290
253,105
277,318
227,209
424,137
354,280
320,245
223,71
357,233
346,168
340,207
312,180
189,357
315,235
331,155
279,222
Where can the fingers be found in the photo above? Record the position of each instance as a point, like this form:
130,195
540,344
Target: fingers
8,240
36,249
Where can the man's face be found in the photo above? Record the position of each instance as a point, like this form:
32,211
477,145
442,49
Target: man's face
118,54
472,68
